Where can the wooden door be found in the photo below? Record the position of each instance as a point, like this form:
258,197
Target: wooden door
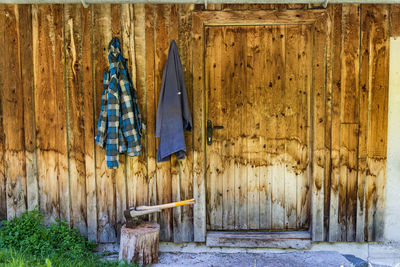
258,86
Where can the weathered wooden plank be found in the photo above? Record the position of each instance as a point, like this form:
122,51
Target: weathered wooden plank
303,129
378,41
287,239
150,105
106,212
276,148
291,122
252,129
350,64
61,140
239,82
173,28
128,49
3,193
75,116
45,103
363,123
199,210
265,99
25,36
347,169
186,166
349,113
260,17
214,90
89,122
163,169
318,124
13,114
335,62
395,20
140,60
121,173
228,195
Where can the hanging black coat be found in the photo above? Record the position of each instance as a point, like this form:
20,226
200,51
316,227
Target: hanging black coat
173,114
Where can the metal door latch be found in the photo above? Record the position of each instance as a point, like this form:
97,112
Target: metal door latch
210,130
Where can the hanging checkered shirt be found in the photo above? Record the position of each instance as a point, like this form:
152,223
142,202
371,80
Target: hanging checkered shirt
120,123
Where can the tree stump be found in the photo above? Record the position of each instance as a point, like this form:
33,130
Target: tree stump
140,244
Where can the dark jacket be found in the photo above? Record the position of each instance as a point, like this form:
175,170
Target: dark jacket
173,114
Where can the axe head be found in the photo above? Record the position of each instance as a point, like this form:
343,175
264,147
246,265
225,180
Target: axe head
135,217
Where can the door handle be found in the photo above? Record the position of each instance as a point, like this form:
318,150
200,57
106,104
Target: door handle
210,129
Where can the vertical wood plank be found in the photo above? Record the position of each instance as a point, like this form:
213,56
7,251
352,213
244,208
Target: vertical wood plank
214,164
173,29
318,137
186,166
291,122
349,113
239,82
121,172
395,20
75,116
3,193
163,169
128,48
13,114
61,136
199,210
105,178
89,92
378,42
266,128
252,130
227,64
140,60
277,145
303,129
336,46
46,103
25,32
150,104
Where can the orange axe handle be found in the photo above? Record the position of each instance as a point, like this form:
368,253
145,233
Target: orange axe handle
169,205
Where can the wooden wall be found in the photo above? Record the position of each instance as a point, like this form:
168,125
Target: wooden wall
52,62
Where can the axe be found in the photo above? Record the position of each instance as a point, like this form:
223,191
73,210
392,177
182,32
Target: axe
133,214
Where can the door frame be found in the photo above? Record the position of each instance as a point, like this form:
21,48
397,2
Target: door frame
318,19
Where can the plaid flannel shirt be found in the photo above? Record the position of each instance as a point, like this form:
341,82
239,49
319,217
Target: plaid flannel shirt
120,123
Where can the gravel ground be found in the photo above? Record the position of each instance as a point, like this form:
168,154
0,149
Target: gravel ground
286,259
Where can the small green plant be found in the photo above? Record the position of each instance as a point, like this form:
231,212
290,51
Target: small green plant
25,241
28,234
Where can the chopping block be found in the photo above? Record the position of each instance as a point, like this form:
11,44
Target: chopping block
139,239
140,243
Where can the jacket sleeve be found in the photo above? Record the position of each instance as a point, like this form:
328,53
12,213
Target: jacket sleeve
186,117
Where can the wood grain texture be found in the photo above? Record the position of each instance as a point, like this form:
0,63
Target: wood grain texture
335,79
378,41
3,179
318,138
25,32
106,206
186,165
75,117
89,91
46,103
61,54
150,106
13,115
395,20
163,169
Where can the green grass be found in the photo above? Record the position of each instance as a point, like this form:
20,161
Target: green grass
25,241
